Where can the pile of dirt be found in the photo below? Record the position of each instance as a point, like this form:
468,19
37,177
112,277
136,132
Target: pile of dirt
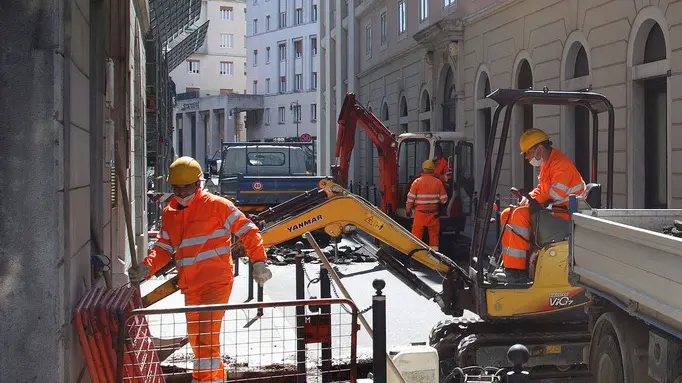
675,229
349,251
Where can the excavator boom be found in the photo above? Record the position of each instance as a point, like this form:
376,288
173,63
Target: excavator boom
353,114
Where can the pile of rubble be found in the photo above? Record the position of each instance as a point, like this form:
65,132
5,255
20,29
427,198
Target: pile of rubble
675,229
347,251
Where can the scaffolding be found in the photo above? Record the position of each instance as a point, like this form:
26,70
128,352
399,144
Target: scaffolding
160,95
172,38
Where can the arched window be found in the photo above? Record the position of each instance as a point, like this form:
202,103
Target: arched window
450,101
426,101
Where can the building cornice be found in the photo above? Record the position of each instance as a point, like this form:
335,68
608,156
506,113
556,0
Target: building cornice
488,11
439,32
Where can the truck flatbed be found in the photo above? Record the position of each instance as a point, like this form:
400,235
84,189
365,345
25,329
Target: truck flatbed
622,256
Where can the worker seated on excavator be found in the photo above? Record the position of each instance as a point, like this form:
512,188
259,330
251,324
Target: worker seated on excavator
425,196
559,178
441,169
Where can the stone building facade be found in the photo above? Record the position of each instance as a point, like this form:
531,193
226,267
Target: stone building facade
435,75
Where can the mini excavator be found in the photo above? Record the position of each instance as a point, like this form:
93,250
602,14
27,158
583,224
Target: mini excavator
545,313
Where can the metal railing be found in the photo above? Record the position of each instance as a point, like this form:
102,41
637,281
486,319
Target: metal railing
365,190
241,342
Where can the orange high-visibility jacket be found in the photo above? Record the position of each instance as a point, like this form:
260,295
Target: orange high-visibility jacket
199,235
558,179
441,170
426,192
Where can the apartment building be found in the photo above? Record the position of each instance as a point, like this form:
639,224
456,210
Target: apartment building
218,66
282,65
399,58
428,64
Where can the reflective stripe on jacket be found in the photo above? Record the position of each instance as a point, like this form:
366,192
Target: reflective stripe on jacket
200,237
426,192
558,179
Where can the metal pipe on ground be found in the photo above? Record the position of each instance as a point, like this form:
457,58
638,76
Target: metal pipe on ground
393,374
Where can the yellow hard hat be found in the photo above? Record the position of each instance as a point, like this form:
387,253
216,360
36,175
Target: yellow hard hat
184,171
428,165
532,137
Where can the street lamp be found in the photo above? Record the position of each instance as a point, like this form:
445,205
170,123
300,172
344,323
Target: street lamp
297,119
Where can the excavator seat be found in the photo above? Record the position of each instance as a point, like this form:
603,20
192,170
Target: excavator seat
548,229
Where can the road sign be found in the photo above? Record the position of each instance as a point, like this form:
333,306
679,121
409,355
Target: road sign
305,137
257,185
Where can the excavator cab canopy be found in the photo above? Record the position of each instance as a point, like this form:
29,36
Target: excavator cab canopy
506,99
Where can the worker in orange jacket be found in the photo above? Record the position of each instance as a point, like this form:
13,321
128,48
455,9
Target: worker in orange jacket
424,197
197,228
441,168
558,179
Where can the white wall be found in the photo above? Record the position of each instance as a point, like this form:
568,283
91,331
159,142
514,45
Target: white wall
209,80
261,69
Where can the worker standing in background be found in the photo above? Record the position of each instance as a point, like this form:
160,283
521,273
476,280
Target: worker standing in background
197,228
558,179
424,198
441,169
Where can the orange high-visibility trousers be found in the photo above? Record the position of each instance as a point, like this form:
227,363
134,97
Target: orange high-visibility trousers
203,330
430,222
516,236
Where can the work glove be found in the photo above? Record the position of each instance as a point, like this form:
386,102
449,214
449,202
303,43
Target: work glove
139,274
261,273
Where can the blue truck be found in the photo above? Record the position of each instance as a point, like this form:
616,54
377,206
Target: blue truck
258,175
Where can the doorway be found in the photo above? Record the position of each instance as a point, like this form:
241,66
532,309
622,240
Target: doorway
655,144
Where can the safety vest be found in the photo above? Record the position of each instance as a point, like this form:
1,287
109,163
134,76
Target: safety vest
200,237
558,179
442,171
426,193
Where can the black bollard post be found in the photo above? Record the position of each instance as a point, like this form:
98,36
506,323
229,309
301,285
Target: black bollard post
325,292
517,355
300,316
235,260
250,278
379,331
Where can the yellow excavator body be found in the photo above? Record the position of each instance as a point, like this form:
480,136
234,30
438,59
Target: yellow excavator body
550,291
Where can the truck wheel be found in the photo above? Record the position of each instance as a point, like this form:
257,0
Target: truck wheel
607,365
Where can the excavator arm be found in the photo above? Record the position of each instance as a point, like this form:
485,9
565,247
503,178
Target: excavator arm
342,213
336,211
386,142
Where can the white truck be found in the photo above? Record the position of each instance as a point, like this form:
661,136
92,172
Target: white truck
633,274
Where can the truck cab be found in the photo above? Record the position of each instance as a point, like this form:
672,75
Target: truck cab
415,148
258,175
